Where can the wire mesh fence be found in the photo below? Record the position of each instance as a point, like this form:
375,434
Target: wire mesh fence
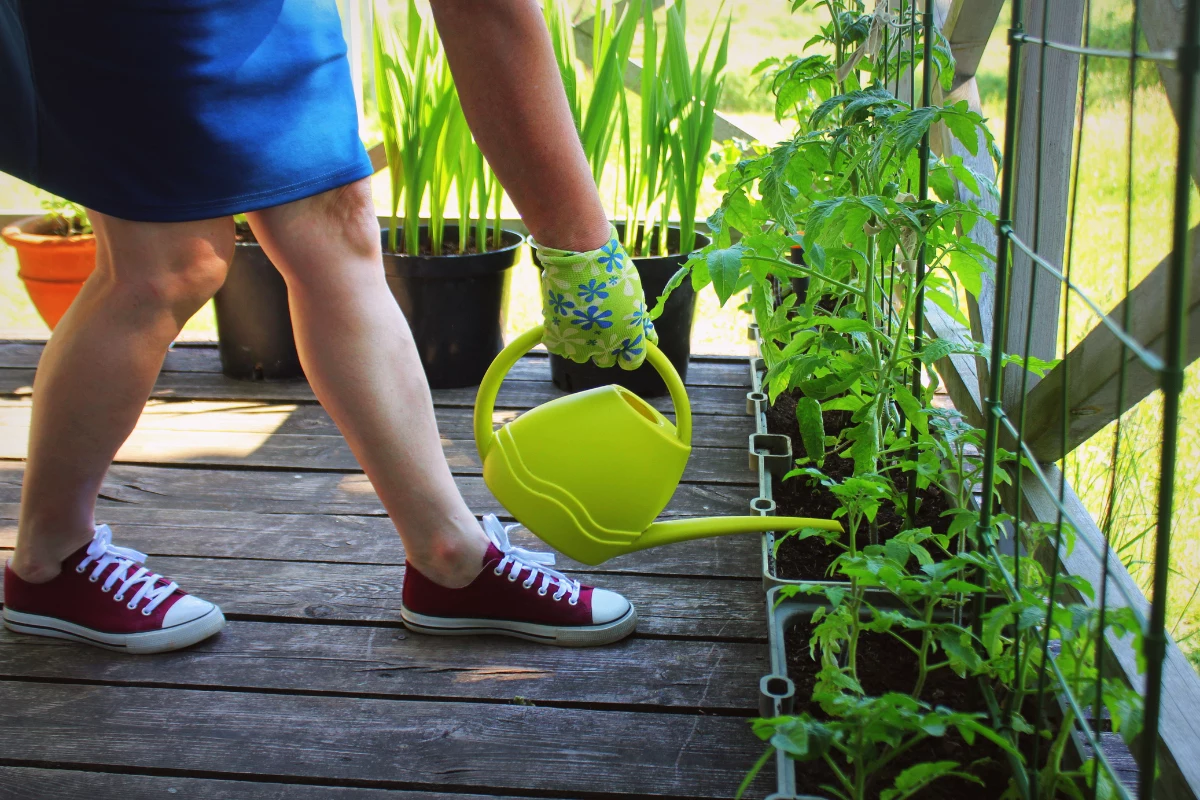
1065,665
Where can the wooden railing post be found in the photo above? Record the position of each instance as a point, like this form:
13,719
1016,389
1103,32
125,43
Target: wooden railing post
1042,181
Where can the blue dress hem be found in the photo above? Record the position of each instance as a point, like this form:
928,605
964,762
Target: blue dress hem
231,205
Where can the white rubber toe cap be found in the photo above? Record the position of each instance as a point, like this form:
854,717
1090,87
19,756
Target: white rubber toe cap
186,609
608,606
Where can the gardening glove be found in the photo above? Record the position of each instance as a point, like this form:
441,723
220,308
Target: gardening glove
593,306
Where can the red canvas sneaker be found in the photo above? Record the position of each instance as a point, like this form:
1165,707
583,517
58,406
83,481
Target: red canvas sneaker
105,597
517,594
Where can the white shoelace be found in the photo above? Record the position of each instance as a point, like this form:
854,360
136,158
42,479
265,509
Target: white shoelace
518,559
104,554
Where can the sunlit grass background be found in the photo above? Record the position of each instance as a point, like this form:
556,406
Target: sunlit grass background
766,28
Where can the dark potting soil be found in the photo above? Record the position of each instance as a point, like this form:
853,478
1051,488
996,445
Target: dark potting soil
809,559
885,665
58,225
450,249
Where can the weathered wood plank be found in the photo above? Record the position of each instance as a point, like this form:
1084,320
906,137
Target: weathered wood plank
980,315
1115,750
702,370
368,540
958,370
727,400
28,783
1163,25
168,443
1093,366
712,676
968,26
387,743
1045,175
1179,726
948,146
288,590
274,492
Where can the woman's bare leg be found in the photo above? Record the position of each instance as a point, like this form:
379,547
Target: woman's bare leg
360,358
355,345
513,97
99,368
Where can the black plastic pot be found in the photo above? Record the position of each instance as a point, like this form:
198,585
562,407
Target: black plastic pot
455,305
674,329
254,326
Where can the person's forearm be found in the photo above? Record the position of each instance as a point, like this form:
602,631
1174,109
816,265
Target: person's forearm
503,64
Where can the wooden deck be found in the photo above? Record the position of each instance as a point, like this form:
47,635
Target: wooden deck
248,496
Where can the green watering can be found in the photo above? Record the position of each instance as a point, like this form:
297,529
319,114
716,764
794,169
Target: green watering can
589,472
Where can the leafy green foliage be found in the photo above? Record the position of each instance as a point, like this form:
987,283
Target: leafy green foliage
842,187
812,428
66,218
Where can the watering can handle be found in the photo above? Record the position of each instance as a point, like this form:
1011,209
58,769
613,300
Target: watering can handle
489,388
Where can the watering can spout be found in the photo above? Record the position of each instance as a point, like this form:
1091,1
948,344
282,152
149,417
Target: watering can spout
682,530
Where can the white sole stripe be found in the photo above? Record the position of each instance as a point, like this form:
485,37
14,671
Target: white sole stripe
157,641
565,636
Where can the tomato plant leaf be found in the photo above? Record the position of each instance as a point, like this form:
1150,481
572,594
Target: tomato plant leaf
724,269
911,407
812,428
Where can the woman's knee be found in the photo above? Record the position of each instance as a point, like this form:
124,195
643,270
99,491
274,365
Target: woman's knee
175,266
349,213
313,239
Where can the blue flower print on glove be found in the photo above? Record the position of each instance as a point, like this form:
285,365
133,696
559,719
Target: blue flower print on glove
593,306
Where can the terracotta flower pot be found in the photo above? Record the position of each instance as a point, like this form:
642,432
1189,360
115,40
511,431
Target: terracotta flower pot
52,267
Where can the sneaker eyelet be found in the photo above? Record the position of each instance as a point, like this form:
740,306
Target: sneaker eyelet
542,592
146,612
497,572
80,569
118,597
574,602
512,578
131,606
93,578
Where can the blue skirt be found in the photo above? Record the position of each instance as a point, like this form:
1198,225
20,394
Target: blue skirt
175,110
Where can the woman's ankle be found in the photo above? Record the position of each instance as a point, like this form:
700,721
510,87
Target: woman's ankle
453,560
38,559
33,570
